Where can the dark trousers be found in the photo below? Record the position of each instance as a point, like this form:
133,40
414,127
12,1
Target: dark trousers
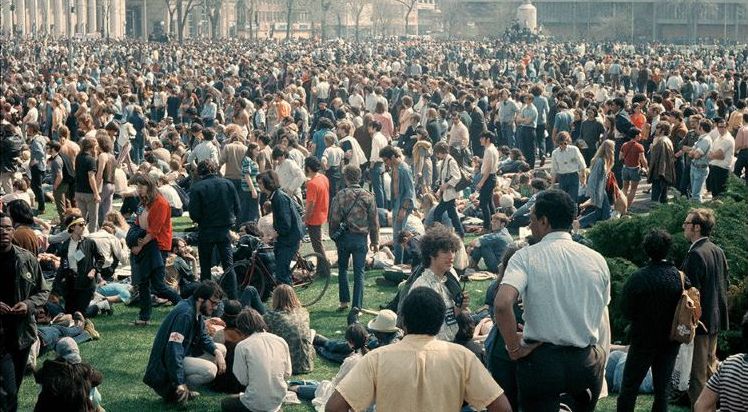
233,404
544,145
659,190
12,366
741,165
640,357
251,297
36,186
335,179
61,196
551,370
526,142
284,252
253,208
451,210
569,183
243,201
205,248
486,201
476,147
377,187
154,281
682,175
315,237
716,182
351,244
77,300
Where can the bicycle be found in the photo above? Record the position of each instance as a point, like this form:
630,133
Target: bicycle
308,281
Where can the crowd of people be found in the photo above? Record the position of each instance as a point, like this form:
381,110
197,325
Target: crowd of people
395,151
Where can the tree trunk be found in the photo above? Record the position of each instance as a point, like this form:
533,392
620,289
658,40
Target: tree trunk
214,20
340,26
289,13
407,21
358,23
180,22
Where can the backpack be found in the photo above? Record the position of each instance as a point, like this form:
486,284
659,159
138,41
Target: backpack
687,314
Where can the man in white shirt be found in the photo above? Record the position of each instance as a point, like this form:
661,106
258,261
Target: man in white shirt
378,141
290,175
487,182
205,150
356,100
720,158
262,362
565,288
567,166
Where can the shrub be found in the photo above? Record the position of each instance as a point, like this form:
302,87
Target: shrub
620,270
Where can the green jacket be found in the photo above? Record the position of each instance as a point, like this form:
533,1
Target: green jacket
32,289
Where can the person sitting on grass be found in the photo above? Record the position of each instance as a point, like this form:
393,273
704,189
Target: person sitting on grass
289,320
184,355
382,329
67,383
262,363
491,246
356,338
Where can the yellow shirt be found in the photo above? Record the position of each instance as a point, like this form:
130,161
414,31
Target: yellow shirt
419,373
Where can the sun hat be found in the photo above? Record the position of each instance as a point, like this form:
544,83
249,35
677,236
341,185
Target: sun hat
386,321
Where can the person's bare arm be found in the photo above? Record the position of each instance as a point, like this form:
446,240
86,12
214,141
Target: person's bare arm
94,186
507,323
500,404
100,163
707,401
337,403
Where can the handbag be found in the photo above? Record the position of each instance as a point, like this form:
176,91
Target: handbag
687,314
464,182
343,226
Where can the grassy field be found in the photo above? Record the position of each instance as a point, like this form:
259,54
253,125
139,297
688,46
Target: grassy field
122,353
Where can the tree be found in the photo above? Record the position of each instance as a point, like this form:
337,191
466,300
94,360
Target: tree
324,8
212,9
409,5
383,15
171,8
694,10
357,8
184,8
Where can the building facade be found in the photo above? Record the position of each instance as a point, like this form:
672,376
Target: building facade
624,20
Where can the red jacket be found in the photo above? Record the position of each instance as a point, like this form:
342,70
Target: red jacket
159,222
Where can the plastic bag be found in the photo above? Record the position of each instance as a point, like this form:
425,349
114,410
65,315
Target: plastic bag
682,370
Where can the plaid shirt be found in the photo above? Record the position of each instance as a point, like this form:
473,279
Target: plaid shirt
363,216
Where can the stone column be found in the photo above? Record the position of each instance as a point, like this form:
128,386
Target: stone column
58,8
80,16
33,17
7,18
144,19
21,17
91,17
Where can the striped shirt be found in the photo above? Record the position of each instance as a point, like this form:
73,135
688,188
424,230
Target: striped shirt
251,169
730,383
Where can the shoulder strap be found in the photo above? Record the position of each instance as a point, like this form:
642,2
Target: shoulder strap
347,212
682,279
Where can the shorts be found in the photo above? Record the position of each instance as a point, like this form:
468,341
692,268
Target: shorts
631,174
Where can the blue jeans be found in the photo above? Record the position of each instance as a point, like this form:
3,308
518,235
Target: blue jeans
596,214
397,227
284,253
526,142
116,289
377,187
544,145
250,297
351,244
488,255
569,183
136,150
205,249
451,210
698,179
51,334
507,134
306,392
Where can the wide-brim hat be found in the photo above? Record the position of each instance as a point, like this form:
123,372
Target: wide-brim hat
386,321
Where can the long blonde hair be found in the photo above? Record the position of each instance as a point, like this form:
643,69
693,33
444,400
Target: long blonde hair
285,299
606,152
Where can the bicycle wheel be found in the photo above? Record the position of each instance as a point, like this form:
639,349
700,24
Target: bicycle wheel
246,276
309,281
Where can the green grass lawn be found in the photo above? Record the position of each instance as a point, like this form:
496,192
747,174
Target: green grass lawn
122,353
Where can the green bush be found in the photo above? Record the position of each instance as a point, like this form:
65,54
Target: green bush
620,242
620,270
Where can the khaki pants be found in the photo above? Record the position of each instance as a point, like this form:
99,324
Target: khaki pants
6,181
704,364
89,209
203,370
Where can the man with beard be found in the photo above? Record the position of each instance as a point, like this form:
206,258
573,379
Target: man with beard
184,355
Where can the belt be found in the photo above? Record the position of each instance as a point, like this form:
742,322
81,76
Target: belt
699,166
570,173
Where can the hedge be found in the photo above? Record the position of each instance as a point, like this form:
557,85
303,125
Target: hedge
620,242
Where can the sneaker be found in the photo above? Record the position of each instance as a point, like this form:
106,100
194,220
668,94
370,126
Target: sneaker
90,328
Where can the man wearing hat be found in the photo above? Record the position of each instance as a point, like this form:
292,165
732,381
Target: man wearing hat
383,331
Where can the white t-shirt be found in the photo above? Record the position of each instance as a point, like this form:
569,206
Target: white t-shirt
726,143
